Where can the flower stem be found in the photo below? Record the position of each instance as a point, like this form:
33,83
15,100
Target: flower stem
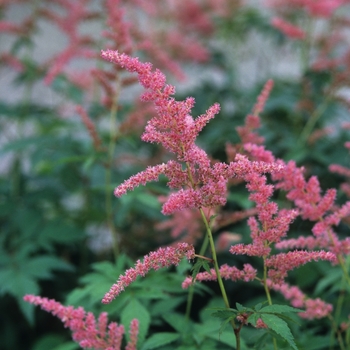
215,262
268,295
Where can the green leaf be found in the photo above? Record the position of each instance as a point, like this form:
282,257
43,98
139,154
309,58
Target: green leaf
24,143
253,318
257,307
240,307
279,309
134,309
280,327
159,339
17,284
54,342
225,313
41,266
178,322
224,324
330,280
197,267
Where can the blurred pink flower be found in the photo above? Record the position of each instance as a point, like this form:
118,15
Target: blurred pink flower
288,29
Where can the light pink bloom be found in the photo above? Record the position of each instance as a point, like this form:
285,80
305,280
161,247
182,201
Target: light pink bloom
199,183
262,98
163,257
134,331
86,331
226,272
323,8
281,263
288,29
314,308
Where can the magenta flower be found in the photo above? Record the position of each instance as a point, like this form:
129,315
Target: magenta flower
281,263
86,331
314,308
247,274
288,29
199,183
163,257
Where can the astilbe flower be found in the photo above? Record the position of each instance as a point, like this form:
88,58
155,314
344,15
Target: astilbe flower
200,184
314,308
307,196
247,132
270,225
344,171
75,12
288,29
247,274
90,126
86,331
280,264
163,257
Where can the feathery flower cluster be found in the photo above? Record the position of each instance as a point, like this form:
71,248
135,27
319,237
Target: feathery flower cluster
163,257
288,29
226,272
344,171
281,263
314,308
200,185
317,8
90,127
86,331
313,206
274,224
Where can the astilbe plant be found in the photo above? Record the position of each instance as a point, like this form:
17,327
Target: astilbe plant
203,185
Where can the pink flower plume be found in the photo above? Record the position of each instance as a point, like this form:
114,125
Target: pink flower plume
88,332
163,257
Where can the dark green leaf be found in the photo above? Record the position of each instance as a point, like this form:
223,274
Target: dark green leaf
134,309
280,327
159,339
279,309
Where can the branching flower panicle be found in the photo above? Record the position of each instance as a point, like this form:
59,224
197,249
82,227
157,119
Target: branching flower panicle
200,184
163,257
86,331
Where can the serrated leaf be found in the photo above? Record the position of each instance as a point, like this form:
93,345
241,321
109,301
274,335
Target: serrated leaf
257,307
330,280
253,318
280,327
198,265
134,309
41,266
279,309
224,324
224,313
240,307
206,266
178,322
54,342
159,339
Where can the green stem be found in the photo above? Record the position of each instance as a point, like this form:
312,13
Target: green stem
315,116
220,282
191,289
214,257
268,295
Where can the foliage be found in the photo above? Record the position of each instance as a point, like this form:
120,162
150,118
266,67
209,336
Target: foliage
256,228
